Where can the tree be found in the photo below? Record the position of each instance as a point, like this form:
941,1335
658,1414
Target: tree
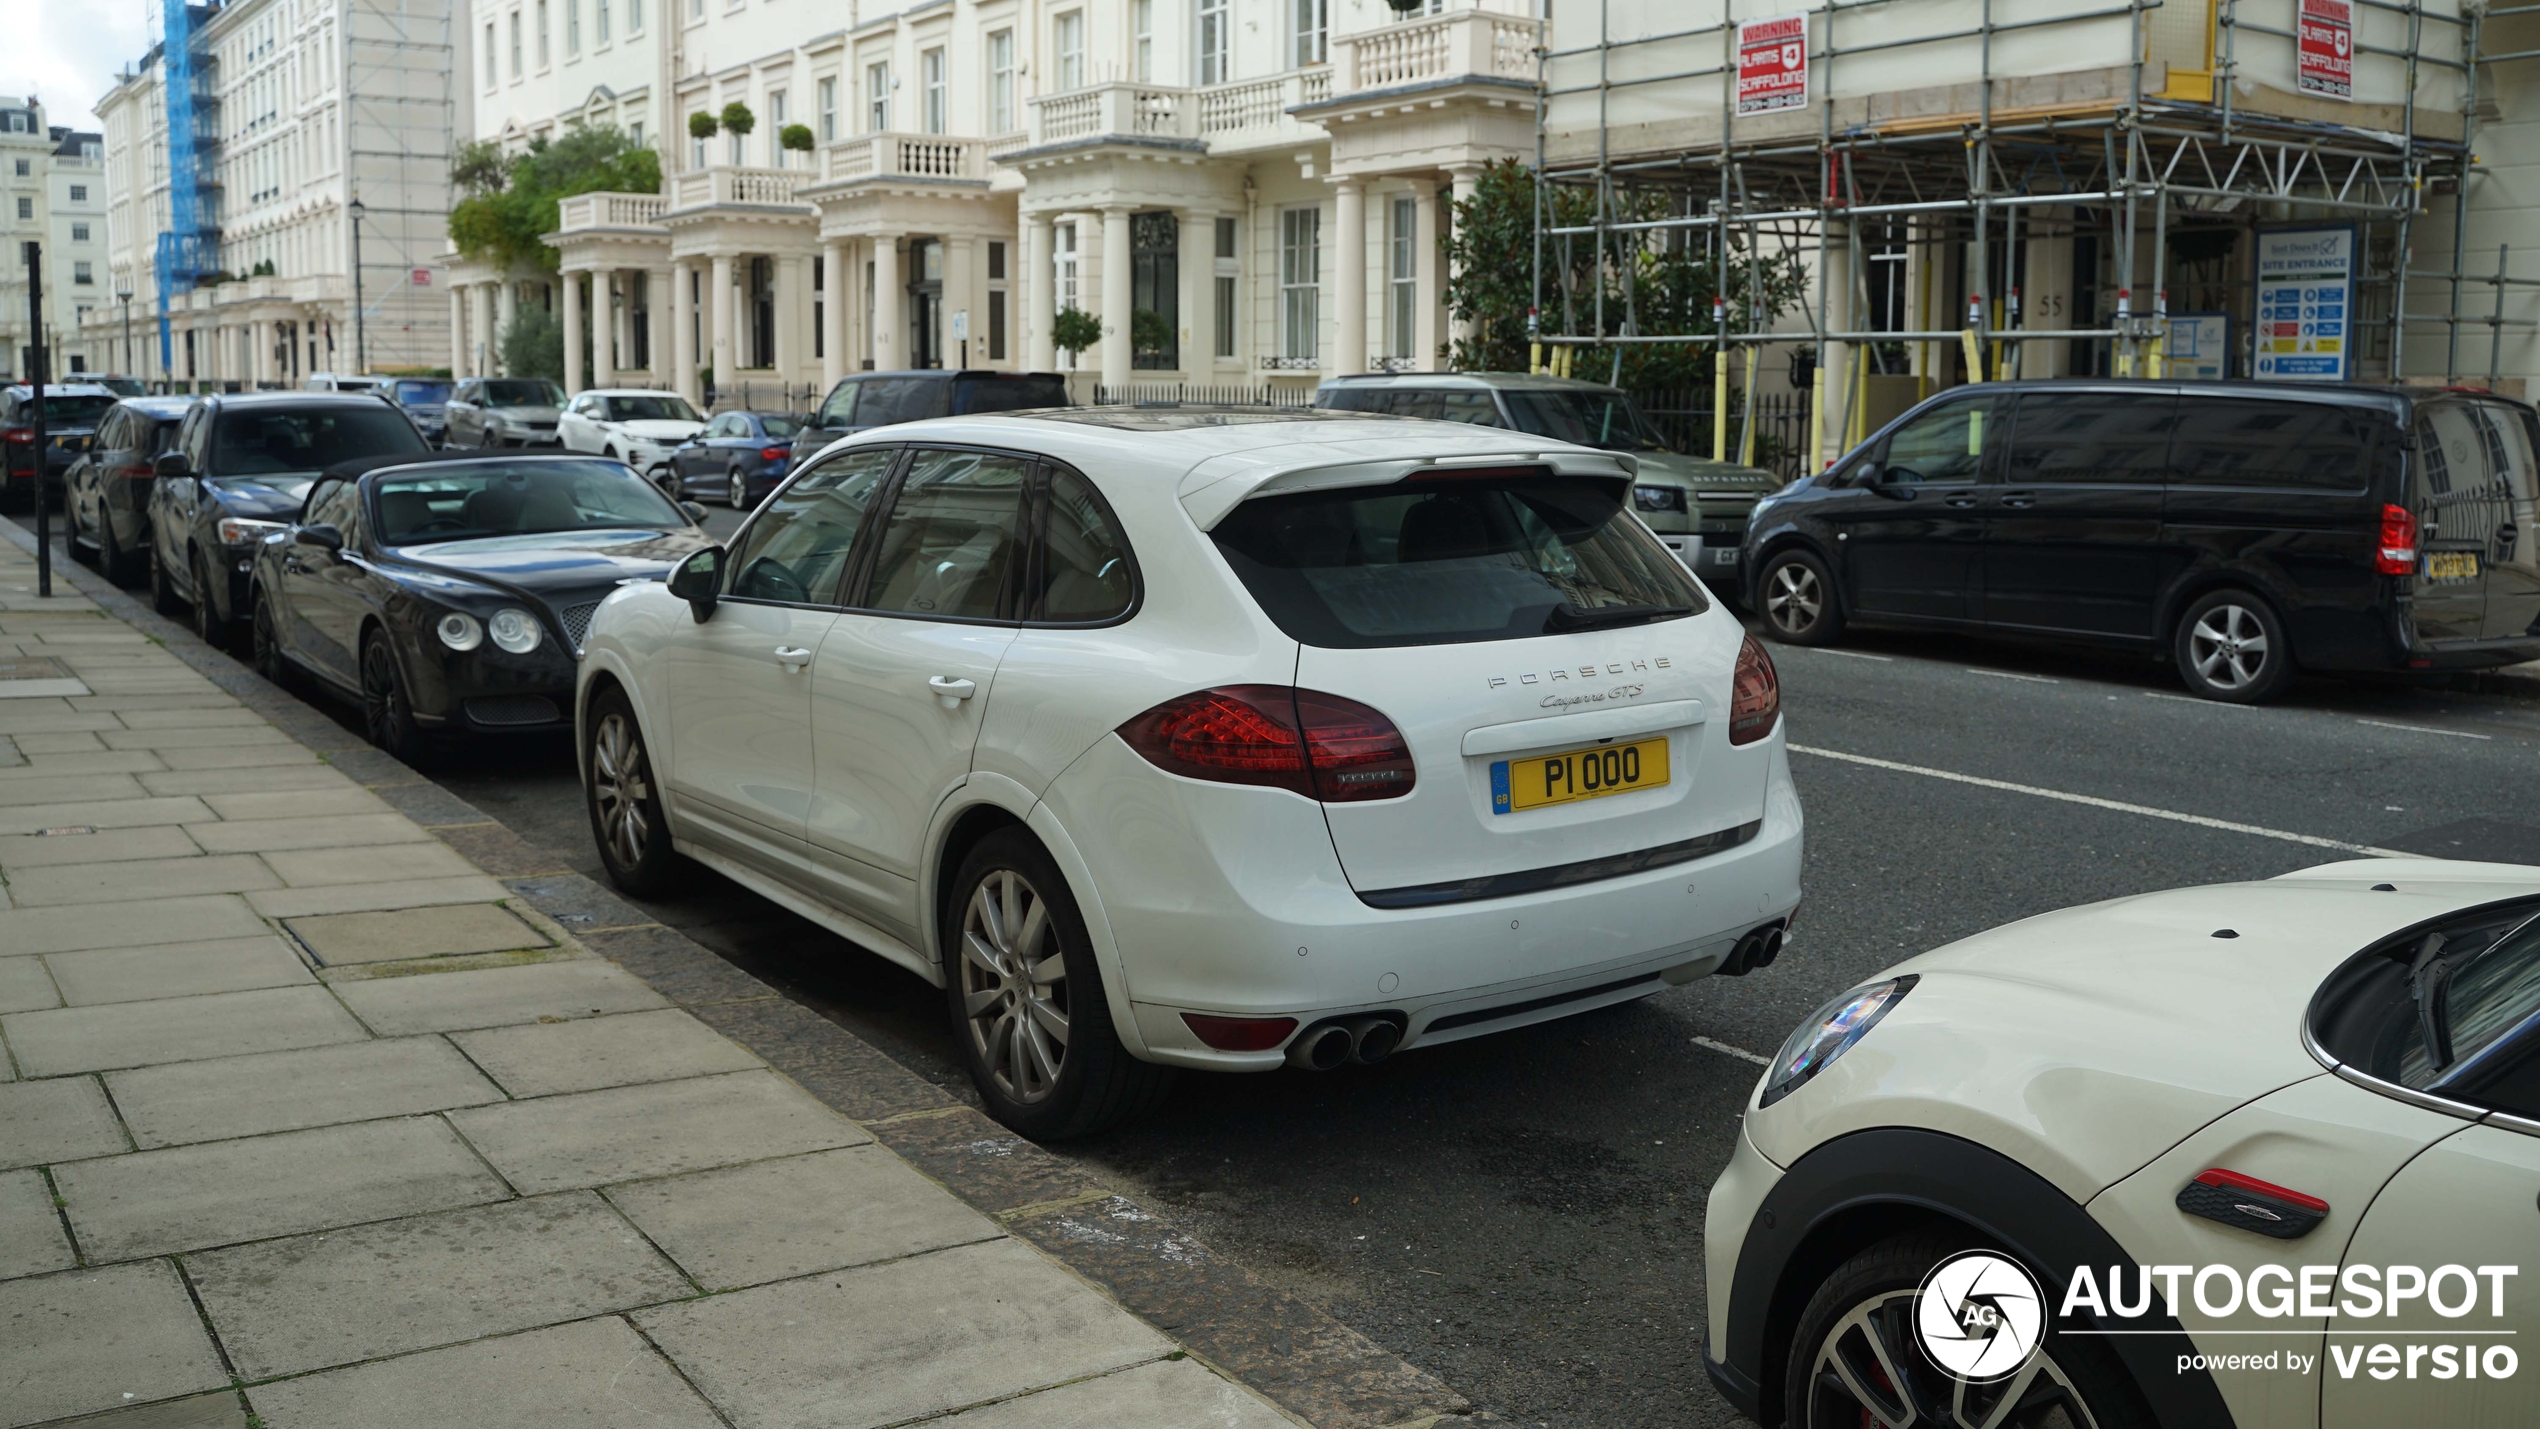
509,203
796,137
533,346
1074,330
701,125
1661,283
738,121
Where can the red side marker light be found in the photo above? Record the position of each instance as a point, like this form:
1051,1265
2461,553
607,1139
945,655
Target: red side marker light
1240,1034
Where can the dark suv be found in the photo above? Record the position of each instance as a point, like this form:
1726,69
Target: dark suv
239,471
2244,530
881,399
71,412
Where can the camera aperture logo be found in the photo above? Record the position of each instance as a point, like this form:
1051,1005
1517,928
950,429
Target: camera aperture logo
1980,1316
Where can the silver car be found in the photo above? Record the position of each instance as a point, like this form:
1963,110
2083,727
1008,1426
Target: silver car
502,412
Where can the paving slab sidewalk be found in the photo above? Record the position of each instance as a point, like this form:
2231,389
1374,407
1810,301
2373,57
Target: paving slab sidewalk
306,1116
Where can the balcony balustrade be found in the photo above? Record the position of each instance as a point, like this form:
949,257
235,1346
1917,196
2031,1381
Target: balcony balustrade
904,156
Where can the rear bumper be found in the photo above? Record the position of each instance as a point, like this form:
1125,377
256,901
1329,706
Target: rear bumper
1243,911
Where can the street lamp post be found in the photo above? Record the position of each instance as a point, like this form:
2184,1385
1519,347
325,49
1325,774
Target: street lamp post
361,356
124,296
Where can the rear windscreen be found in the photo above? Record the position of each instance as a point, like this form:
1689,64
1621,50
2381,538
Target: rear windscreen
77,409
1453,561
1007,394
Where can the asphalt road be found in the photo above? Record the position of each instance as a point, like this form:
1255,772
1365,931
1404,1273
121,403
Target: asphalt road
1522,1215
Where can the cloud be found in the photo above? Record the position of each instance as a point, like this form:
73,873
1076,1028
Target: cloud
69,55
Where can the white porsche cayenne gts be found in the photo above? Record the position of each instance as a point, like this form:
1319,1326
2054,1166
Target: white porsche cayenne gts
2261,1155
1207,740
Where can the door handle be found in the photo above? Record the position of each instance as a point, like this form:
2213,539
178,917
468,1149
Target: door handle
792,657
947,687
2506,535
1962,500
2019,500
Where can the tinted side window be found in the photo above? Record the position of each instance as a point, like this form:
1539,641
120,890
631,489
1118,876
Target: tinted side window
110,431
1005,394
2240,442
839,410
1945,444
1475,408
796,551
2094,437
896,399
1351,399
1403,403
952,536
1084,559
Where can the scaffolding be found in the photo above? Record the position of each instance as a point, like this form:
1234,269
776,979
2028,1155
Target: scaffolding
2120,151
190,245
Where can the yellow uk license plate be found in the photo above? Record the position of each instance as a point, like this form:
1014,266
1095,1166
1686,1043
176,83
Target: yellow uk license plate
1517,785
2451,565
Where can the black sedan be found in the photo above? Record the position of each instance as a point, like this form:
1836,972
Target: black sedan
451,594
738,459
106,497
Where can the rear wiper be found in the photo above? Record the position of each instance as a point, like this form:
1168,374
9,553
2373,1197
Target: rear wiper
1566,618
2430,982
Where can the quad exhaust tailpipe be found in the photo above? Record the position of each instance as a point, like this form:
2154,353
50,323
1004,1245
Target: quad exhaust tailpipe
1326,1045
1756,950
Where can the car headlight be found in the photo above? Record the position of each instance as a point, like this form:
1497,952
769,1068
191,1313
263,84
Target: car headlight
1658,498
459,631
1830,1033
515,629
236,531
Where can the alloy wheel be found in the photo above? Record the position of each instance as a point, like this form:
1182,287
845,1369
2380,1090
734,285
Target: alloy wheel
739,491
1869,1370
207,623
1014,986
267,642
384,714
1793,598
619,786
2228,646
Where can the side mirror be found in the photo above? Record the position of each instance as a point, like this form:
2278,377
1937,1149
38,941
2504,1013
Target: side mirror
696,512
1884,483
172,465
698,580
322,536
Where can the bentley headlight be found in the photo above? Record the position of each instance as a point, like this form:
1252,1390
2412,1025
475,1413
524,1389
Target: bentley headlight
459,631
1830,1033
514,629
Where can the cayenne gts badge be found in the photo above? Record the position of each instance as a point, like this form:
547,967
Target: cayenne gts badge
1980,1315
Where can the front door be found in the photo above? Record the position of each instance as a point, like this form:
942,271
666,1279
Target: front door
926,303
902,682
323,597
2072,536
739,684
2458,520
1911,543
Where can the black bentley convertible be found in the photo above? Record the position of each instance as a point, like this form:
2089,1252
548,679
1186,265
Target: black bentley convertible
451,594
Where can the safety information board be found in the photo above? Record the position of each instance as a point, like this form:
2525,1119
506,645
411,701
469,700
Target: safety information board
2306,289
2199,346
1772,64
2325,44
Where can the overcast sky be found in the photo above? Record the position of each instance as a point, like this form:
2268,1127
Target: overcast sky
70,58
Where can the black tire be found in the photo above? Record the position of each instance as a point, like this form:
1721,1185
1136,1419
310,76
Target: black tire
388,715
1835,1377
1795,596
1006,1045
2230,646
215,631
264,645
624,801
72,541
163,597
116,563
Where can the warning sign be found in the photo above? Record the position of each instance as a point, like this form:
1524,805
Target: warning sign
2306,290
2326,44
1772,64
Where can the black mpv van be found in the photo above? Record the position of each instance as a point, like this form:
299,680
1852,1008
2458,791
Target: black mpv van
2245,530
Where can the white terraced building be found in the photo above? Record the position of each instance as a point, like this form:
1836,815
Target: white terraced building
52,192
1266,177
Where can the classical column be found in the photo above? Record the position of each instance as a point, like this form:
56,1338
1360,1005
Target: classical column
480,331
506,310
658,341
1195,250
833,313
604,357
260,338
683,334
572,333
1037,299
1463,178
1424,279
719,321
1117,267
458,332
885,316
960,252
1349,277
793,295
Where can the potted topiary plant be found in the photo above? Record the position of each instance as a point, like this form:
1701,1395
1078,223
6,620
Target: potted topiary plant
702,125
1074,330
738,121
796,137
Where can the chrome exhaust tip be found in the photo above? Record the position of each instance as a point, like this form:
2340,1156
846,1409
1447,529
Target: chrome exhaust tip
1322,1047
1756,949
1372,1039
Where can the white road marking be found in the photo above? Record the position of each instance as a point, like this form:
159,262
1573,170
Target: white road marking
2194,700
2007,675
2424,729
1850,654
2174,816
1738,1052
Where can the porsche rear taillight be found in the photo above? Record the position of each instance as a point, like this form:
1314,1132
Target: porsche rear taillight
1304,741
1755,700
2397,554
